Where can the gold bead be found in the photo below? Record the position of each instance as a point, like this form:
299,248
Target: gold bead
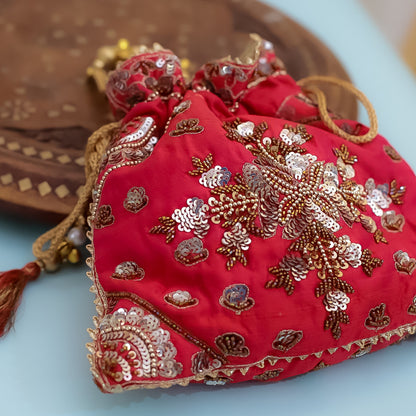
64,249
74,256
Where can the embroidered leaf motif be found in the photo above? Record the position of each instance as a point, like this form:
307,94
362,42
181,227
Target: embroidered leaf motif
379,237
201,166
334,320
369,263
168,227
396,192
344,154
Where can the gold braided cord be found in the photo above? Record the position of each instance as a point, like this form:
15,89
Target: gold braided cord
308,85
97,144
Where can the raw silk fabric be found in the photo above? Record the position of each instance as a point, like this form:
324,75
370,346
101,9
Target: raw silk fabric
234,237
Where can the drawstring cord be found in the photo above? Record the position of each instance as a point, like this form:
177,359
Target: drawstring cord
309,87
96,146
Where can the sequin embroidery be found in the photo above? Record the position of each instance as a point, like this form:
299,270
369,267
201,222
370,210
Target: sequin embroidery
128,270
136,200
132,345
403,262
180,299
190,252
235,298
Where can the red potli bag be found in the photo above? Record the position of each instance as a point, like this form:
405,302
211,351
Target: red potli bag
239,231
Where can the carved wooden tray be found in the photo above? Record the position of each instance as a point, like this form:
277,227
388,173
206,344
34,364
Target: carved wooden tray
48,109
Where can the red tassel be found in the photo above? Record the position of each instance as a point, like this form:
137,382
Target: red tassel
12,284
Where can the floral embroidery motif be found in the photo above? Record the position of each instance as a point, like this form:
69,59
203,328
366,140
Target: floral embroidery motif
287,339
136,200
210,177
232,344
190,252
377,319
377,197
180,299
268,375
132,344
114,297
235,298
397,192
345,162
190,126
363,351
412,308
202,362
128,270
103,217
182,107
126,154
235,242
287,187
217,176
404,264
187,219
392,153
392,222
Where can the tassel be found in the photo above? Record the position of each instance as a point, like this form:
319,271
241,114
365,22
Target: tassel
12,284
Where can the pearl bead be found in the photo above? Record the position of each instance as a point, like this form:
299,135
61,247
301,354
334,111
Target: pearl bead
76,236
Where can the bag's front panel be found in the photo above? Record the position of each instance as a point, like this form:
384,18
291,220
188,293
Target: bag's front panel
229,245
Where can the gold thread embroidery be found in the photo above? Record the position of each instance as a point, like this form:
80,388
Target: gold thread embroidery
103,217
396,192
201,166
287,339
369,263
189,126
392,153
377,319
379,237
233,344
202,363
